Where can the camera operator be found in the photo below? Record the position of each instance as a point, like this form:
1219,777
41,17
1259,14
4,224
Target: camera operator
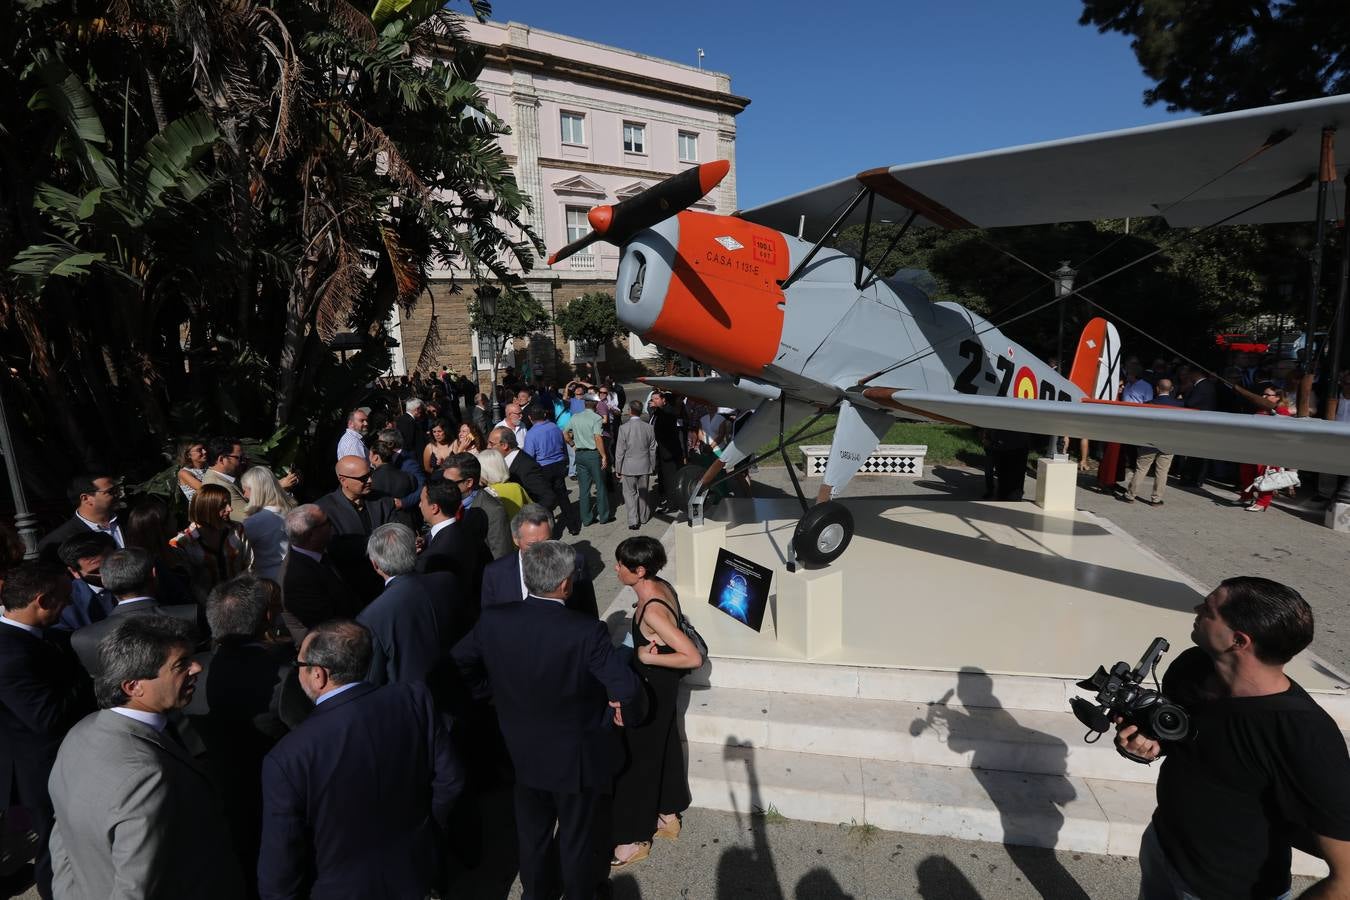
1264,767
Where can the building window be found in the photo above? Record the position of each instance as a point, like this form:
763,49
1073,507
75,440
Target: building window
634,138
573,128
688,146
577,226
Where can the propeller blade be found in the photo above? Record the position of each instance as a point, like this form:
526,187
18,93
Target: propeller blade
617,223
580,243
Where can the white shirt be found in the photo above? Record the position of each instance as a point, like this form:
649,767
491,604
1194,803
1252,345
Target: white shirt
335,691
351,444
519,430
131,600
511,457
228,478
36,632
157,721
437,529
112,528
1343,409
520,567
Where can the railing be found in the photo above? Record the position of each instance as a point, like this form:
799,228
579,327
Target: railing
583,262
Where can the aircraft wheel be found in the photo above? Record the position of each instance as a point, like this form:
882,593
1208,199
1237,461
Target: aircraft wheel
823,534
686,483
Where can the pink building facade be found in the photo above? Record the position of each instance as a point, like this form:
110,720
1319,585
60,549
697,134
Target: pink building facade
590,124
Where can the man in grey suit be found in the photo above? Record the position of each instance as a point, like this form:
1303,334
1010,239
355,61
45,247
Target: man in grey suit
136,819
129,575
634,463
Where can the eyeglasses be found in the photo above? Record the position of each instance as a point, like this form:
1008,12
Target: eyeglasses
114,491
361,478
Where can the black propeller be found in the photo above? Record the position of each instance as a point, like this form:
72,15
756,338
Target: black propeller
617,223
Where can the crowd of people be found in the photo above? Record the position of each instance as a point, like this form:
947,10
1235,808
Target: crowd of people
277,698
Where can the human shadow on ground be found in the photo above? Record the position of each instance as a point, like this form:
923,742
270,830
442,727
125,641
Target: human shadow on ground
1029,805
940,879
751,871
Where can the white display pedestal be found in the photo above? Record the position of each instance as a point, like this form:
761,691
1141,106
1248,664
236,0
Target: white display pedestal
1338,517
1056,484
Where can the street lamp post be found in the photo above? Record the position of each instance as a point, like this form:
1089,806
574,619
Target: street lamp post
487,306
1063,277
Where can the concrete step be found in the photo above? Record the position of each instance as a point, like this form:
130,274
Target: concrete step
963,689
1063,812
1026,741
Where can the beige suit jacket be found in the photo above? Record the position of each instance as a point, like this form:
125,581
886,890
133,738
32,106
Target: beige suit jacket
237,502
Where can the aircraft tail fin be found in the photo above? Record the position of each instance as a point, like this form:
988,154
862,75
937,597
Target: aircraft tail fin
1096,365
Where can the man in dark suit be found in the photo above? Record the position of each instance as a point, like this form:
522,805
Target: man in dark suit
412,429
418,618
456,541
502,579
43,692
83,555
330,829
560,688
522,467
466,473
96,498
354,511
312,590
129,575
245,694
1201,394
390,478
125,764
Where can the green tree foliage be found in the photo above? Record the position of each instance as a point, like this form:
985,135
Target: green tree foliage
1215,57
518,314
590,319
196,196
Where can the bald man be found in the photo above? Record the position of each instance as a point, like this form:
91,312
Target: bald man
354,510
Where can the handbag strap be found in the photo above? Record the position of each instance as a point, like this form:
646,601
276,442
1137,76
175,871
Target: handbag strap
673,611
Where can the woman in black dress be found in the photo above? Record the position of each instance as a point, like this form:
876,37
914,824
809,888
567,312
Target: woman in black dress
653,788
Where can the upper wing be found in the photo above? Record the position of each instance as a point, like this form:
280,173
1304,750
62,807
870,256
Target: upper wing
1164,169
1312,444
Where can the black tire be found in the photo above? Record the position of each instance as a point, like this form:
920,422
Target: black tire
823,534
686,483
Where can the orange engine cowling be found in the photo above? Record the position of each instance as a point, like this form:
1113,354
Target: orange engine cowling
722,304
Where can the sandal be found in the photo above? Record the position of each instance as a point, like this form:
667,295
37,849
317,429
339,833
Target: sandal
644,849
669,828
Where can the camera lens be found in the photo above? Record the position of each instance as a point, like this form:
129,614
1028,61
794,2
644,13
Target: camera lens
1170,722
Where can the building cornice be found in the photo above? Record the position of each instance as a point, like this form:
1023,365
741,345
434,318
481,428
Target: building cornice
510,57
578,165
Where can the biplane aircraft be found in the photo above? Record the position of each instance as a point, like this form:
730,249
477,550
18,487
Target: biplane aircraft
799,329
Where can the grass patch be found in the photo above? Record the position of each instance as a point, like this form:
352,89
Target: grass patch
947,444
862,832
769,814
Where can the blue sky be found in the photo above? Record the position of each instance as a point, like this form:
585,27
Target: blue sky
838,88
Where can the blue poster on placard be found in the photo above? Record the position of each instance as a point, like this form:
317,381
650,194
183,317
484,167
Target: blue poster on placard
740,588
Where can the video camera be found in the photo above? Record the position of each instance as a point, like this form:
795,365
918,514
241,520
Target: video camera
1121,694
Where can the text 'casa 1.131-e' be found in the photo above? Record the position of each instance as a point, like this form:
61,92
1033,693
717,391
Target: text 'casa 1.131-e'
798,329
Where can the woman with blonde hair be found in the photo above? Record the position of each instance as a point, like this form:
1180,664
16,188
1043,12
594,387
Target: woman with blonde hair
192,468
264,520
497,481
213,546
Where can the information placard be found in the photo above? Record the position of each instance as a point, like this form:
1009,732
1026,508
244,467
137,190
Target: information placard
740,588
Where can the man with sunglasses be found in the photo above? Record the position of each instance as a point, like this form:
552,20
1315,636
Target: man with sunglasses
354,510
96,498
228,462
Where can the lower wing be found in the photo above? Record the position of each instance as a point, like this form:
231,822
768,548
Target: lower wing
1312,444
